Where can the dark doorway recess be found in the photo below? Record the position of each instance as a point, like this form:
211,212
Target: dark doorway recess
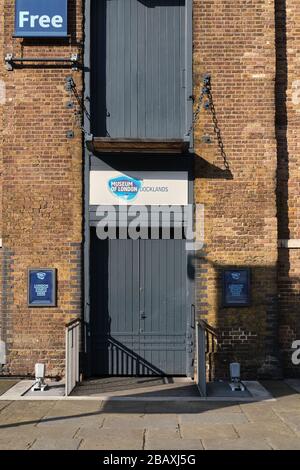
139,307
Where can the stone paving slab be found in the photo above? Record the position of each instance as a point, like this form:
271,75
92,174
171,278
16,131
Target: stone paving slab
259,413
287,404
6,384
263,430
213,417
17,391
18,438
67,408
17,442
71,423
44,443
124,407
173,444
216,431
161,421
133,421
163,433
17,413
55,433
236,444
191,408
4,404
111,439
283,443
291,419
73,415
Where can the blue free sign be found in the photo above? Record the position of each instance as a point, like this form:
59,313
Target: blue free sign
41,287
41,18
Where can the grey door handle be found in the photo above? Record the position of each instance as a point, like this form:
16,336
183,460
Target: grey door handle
193,316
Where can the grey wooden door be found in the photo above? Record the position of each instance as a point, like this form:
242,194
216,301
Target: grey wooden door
139,82
139,307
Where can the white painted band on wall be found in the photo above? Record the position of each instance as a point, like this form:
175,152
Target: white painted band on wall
290,244
2,352
2,92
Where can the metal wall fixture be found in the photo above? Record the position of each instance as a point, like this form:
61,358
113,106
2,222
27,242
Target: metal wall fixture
70,134
11,61
206,139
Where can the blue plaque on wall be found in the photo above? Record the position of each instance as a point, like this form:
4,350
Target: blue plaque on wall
42,287
236,287
41,18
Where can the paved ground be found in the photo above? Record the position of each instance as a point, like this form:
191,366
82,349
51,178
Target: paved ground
140,386
6,384
150,426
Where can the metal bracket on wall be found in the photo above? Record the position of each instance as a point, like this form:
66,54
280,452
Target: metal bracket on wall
206,139
11,61
70,135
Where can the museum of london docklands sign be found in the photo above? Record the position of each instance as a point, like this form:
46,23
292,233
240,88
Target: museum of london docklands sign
139,187
41,18
140,203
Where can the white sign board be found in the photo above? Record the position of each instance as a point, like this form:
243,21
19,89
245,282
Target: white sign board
139,188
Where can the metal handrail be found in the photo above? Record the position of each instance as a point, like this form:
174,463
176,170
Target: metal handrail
203,330
73,322
72,354
208,327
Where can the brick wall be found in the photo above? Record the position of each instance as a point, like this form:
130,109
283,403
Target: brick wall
2,99
234,42
288,190
254,85
42,194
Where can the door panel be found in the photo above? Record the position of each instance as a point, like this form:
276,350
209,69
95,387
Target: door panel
163,282
114,306
138,68
138,307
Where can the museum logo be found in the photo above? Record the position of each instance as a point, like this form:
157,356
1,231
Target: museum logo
124,187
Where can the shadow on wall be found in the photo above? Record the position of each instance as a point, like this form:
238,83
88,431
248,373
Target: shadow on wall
245,334
288,287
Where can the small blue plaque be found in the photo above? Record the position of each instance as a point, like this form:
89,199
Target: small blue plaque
42,287
236,287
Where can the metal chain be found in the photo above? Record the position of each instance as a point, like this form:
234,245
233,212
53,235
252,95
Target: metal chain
207,90
217,129
78,114
198,109
79,100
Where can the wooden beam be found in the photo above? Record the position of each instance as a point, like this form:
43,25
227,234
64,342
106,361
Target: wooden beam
110,145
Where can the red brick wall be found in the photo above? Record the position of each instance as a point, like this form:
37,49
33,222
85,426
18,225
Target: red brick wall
2,99
42,194
288,191
255,84
235,43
